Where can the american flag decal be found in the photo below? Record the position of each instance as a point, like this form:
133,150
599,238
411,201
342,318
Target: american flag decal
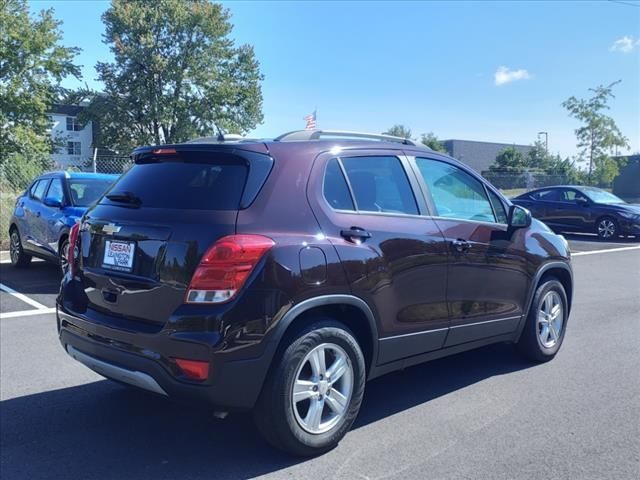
311,121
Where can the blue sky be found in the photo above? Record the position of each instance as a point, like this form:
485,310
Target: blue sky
492,71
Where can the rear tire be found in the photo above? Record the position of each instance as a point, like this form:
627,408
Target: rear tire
63,255
607,228
546,323
328,393
19,258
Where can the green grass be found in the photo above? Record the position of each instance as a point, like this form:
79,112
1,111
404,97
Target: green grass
7,202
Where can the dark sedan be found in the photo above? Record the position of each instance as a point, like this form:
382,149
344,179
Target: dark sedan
582,209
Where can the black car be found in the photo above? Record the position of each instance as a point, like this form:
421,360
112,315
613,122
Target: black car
280,276
582,209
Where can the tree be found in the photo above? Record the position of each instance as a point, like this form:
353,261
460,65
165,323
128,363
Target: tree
510,159
399,131
32,65
176,75
431,141
599,135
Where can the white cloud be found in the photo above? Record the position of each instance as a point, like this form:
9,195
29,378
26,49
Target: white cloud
625,44
505,75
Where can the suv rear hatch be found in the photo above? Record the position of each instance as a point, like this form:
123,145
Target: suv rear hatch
142,242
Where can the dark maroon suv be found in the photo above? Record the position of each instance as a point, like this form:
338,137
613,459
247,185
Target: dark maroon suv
280,276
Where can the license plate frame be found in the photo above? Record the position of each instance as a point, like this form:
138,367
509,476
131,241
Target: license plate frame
119,255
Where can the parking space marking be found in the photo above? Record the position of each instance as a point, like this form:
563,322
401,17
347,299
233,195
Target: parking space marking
609,250
27,313
23,298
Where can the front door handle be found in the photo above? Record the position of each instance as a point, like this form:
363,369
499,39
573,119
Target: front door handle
38,214
355,234
460,245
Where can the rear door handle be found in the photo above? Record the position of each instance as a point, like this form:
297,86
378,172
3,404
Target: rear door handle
38,214
356,233
460,245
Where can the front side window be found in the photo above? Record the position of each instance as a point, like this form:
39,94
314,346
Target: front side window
73,148
455,193
379,184
335,189
55,191
73,125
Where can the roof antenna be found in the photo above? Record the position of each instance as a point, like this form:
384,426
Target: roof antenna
220,136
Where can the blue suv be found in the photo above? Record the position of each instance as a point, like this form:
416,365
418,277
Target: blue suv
47,210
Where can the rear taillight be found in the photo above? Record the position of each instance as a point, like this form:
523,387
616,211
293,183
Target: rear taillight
225,267
72,253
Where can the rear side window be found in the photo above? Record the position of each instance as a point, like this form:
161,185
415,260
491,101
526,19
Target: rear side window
38,190
55,190
189,185
335,188
380,184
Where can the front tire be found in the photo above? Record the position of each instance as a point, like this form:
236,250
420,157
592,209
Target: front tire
607,228
314,391
546,323
18,257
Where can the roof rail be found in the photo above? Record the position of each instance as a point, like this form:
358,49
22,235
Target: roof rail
227,137
306,135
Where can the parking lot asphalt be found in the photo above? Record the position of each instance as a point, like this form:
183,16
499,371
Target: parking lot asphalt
481,414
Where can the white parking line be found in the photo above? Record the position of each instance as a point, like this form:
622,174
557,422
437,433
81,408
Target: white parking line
27,313
609,250
23,298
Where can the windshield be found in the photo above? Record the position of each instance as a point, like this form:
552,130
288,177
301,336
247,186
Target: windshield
86,191
602,196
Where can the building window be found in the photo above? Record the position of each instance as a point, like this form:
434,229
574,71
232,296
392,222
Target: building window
73,148
73,125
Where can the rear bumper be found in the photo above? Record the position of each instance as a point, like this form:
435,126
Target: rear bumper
145,362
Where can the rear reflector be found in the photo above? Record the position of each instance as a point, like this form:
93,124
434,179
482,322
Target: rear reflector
225,267
72,252
193,369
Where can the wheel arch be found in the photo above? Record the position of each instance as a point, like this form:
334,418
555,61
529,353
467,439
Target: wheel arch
560,270
352,311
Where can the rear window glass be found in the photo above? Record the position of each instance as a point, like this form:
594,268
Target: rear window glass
184,185
87,191
335,187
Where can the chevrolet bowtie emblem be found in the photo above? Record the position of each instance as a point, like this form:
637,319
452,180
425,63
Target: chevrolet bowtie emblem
111,228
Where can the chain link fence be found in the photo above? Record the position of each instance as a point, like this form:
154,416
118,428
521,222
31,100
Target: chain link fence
17,174
515,183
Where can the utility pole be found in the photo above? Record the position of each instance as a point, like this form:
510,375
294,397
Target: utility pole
546,141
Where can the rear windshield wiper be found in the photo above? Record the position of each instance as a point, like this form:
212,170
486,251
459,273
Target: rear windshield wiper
125,197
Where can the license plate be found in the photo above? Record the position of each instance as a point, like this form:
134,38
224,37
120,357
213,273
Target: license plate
119,255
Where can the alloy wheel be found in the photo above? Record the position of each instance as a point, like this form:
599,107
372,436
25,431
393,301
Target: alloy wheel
606,228
322,389
550,319
15,247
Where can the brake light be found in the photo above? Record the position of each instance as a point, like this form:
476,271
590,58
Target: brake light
193,369
72,252
164,151
225,267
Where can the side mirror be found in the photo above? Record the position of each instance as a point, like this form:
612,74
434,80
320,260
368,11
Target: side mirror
519,217
52,202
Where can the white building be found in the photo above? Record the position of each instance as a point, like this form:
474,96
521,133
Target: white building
76,139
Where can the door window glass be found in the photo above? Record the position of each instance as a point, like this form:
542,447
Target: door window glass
380,184
455,193
55,190
548,195
335,188
498,207
38,193
573,196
